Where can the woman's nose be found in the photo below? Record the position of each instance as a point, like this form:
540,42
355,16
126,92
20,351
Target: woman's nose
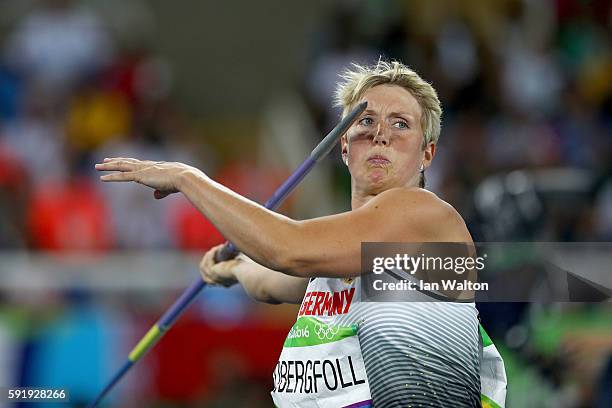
380,137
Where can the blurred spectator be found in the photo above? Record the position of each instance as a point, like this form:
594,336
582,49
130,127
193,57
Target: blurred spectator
13,200
76,349
11,89
9,346
59,42
96,116
69,216
339,45
36,136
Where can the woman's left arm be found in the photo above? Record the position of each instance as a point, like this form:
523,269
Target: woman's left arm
261,233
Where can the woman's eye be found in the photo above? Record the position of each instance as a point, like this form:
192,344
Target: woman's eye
401,125
366,121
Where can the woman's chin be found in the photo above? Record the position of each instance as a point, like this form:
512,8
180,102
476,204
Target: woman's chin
378,182
378,176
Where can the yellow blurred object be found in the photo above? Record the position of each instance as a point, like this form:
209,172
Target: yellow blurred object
595,79
95,117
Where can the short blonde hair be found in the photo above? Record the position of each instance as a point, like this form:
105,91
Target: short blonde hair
359,79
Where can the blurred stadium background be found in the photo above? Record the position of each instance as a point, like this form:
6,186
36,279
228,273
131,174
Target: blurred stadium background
243,90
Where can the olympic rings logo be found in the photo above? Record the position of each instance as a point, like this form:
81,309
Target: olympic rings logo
324,331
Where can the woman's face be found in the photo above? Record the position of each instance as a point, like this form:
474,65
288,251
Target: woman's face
383,148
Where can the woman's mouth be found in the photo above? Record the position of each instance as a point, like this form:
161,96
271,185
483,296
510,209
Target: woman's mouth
378,160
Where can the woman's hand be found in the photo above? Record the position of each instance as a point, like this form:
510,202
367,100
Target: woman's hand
221,273
164,177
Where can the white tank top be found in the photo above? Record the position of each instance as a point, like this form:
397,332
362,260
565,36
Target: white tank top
321,364
424,352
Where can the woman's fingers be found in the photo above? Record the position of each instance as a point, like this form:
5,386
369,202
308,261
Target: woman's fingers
122,176
126,168
119,165
209,259
121,158
212,272
222,273
124,164
205,267
160,176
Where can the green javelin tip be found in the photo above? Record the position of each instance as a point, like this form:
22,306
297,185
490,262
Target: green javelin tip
148,341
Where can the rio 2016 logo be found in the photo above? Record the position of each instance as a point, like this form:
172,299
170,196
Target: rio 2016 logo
298,332
324,331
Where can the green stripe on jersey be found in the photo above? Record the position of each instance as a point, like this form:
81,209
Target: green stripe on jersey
308,331
488,402
486,340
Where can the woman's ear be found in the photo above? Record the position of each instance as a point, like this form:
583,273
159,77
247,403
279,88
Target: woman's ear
345,148
428,154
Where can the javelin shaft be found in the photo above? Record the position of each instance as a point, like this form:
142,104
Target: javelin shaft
229,251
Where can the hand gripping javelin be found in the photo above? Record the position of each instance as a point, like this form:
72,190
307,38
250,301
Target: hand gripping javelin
229,251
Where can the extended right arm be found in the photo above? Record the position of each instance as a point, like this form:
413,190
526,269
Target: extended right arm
260,283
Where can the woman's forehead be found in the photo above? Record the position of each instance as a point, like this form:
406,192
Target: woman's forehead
391,98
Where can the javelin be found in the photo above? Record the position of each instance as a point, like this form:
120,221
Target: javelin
229,251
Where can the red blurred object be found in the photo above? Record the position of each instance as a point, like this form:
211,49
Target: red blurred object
69,216
195,359
12,172
121,76
193,230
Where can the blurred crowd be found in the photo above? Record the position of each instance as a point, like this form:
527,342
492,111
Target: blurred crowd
524,85
71,94
524,154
